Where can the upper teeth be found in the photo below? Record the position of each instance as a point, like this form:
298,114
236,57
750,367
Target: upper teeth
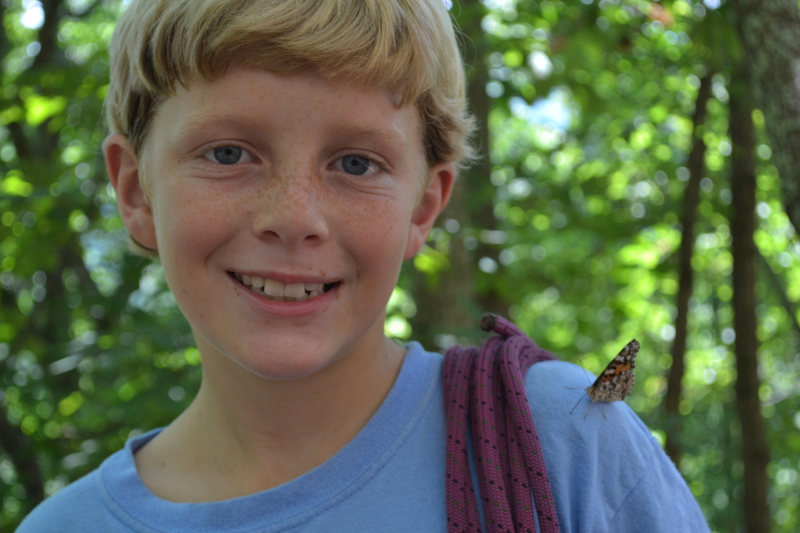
278,291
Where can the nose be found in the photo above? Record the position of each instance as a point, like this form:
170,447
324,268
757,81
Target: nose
290,210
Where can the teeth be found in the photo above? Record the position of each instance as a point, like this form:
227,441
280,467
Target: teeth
278,291
295,291
274,289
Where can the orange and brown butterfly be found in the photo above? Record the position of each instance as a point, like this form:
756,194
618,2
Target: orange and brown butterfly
616,381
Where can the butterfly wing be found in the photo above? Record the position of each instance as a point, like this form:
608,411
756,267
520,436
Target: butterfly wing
616,381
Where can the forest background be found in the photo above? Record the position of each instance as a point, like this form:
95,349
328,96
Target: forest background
639,179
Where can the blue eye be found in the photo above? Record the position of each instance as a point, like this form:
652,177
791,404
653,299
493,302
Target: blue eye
356,165
227,155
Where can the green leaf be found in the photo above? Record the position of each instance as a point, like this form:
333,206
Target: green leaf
40,108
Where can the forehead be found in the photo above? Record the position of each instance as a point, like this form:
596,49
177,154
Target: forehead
266,102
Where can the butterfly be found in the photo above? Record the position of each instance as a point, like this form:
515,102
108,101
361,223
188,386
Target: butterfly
616,381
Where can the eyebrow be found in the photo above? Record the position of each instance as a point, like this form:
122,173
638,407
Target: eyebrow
210,123
384,135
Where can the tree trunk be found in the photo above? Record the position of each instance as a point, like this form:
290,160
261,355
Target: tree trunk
769,31
444,307
755,451
691,199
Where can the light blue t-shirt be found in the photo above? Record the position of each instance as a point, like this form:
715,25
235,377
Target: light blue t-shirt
607,473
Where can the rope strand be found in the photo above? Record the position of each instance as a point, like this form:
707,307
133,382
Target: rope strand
485,392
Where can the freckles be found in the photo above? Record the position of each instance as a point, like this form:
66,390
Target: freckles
366,221
266,195
377,227
215,210
204,215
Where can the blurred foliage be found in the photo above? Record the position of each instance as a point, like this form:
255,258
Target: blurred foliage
590,127
91,345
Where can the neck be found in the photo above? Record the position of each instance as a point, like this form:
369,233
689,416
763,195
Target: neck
284,413
247,433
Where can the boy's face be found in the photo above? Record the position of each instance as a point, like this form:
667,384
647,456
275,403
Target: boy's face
306,187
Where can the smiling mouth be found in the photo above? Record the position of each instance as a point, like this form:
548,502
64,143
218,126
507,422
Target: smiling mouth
282,292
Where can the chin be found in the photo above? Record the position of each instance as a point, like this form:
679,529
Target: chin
284,368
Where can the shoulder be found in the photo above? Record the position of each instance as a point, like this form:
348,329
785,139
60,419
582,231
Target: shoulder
557,394
70,509
591,432
93,502
604,465
558,389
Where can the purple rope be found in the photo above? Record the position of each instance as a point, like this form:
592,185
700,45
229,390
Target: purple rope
485,391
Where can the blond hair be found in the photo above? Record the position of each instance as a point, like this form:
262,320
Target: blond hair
406,46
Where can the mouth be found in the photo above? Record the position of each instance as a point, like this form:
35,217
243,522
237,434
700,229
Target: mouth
282,292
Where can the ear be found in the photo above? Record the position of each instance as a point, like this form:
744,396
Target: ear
122,166
434,199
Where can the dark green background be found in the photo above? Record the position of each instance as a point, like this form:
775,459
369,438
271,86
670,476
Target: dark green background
572,228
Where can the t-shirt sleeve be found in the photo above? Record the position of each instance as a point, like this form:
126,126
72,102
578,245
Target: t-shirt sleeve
606,470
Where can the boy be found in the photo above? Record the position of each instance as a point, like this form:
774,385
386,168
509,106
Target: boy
283,158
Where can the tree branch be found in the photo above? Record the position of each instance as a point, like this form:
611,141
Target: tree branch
778,286
691,199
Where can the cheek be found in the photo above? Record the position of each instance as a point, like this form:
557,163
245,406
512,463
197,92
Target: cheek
189,223
374,219
190,230
379,230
